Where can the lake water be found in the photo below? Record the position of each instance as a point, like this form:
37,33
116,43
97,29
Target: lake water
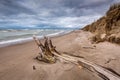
13,36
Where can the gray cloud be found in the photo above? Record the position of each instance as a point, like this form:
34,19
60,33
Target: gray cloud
11,7
85,3
59,13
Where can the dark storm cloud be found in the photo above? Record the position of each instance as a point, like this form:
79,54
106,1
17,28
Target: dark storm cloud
85,3
62,13
11,7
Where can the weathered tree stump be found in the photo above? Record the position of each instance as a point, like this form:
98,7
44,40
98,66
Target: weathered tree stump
47,48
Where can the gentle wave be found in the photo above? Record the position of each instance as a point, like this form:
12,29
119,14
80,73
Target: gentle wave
22,40
21,34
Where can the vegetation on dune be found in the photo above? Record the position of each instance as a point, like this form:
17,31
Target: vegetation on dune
107,28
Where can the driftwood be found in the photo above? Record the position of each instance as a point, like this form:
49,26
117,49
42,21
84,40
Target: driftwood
47,48
50,54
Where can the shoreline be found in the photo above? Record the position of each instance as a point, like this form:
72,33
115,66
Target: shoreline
17,61
29,39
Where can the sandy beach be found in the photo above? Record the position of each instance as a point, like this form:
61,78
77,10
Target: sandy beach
17,61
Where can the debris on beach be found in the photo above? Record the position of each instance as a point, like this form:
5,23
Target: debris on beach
47,48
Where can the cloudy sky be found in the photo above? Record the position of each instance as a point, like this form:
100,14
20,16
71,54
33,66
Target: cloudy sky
51,13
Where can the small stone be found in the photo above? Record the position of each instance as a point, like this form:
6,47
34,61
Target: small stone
94,45
34,68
